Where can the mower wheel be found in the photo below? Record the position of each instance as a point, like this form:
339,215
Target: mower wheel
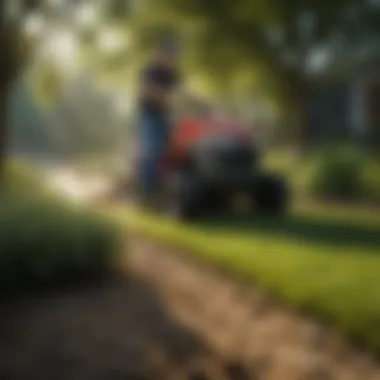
270,194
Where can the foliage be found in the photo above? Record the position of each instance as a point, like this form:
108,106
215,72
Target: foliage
46,241
338,174
118,9
342,172
241,32
273,38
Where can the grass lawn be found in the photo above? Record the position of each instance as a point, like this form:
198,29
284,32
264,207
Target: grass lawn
324,259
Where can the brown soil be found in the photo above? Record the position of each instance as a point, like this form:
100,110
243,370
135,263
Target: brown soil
170,318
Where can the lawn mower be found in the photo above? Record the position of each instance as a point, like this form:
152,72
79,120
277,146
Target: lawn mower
211,166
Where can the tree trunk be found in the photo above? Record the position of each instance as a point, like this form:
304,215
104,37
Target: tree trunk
3,132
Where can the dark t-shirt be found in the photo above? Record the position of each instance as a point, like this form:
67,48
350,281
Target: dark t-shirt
161,77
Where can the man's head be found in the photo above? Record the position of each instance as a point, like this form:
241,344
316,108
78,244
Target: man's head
168,52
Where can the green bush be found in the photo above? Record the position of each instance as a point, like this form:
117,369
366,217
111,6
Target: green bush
46,240
338,174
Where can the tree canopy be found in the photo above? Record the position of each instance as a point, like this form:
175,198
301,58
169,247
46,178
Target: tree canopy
234,51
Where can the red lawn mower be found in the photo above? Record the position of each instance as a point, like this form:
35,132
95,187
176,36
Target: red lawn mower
210,166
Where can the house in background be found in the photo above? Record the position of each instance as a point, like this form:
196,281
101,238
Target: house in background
345,94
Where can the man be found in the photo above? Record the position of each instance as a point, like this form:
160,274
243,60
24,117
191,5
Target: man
158,81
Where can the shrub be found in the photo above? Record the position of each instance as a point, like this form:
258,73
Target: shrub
338,174
47,241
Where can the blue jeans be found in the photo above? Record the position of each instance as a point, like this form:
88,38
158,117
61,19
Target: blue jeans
153,133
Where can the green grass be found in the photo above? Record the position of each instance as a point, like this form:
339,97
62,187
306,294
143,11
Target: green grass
322,259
